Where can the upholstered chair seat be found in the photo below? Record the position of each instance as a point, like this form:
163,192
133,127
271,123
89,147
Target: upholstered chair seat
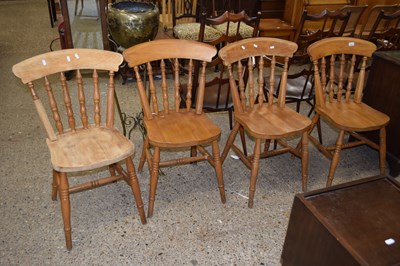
190,31
245,30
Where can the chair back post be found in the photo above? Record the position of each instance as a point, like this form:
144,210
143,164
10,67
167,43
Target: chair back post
200,91
110,101
42,114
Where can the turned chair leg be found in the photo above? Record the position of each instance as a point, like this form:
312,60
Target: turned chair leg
229,142
143,155
254,172
153,180
243,140
335,158
135,189
65,208
218,170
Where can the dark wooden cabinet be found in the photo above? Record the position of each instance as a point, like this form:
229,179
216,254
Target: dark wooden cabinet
357,223
382,92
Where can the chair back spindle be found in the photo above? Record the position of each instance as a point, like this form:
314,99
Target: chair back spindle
261,55
168,100
64,62
335,62
337,77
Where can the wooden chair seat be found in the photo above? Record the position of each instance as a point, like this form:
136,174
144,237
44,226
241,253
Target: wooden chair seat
354,116
270,122
183,129
190,31
88,149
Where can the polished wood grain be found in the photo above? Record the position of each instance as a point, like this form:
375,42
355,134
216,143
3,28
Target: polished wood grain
168,126
346,224
80,143
334,62
263,121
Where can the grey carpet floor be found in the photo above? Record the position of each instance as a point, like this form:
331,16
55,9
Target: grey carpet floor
190,226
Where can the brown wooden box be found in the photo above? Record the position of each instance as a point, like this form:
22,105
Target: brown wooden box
382,92
345,225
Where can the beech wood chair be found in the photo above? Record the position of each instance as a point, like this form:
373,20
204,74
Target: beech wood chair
263,121
335,101
85,143
168,126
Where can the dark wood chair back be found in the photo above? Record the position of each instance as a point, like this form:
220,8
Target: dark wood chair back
371,17
314,27
385,32
355,15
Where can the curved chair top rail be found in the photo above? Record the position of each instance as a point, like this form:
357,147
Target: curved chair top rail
257,47
340,45
65,60
167,49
